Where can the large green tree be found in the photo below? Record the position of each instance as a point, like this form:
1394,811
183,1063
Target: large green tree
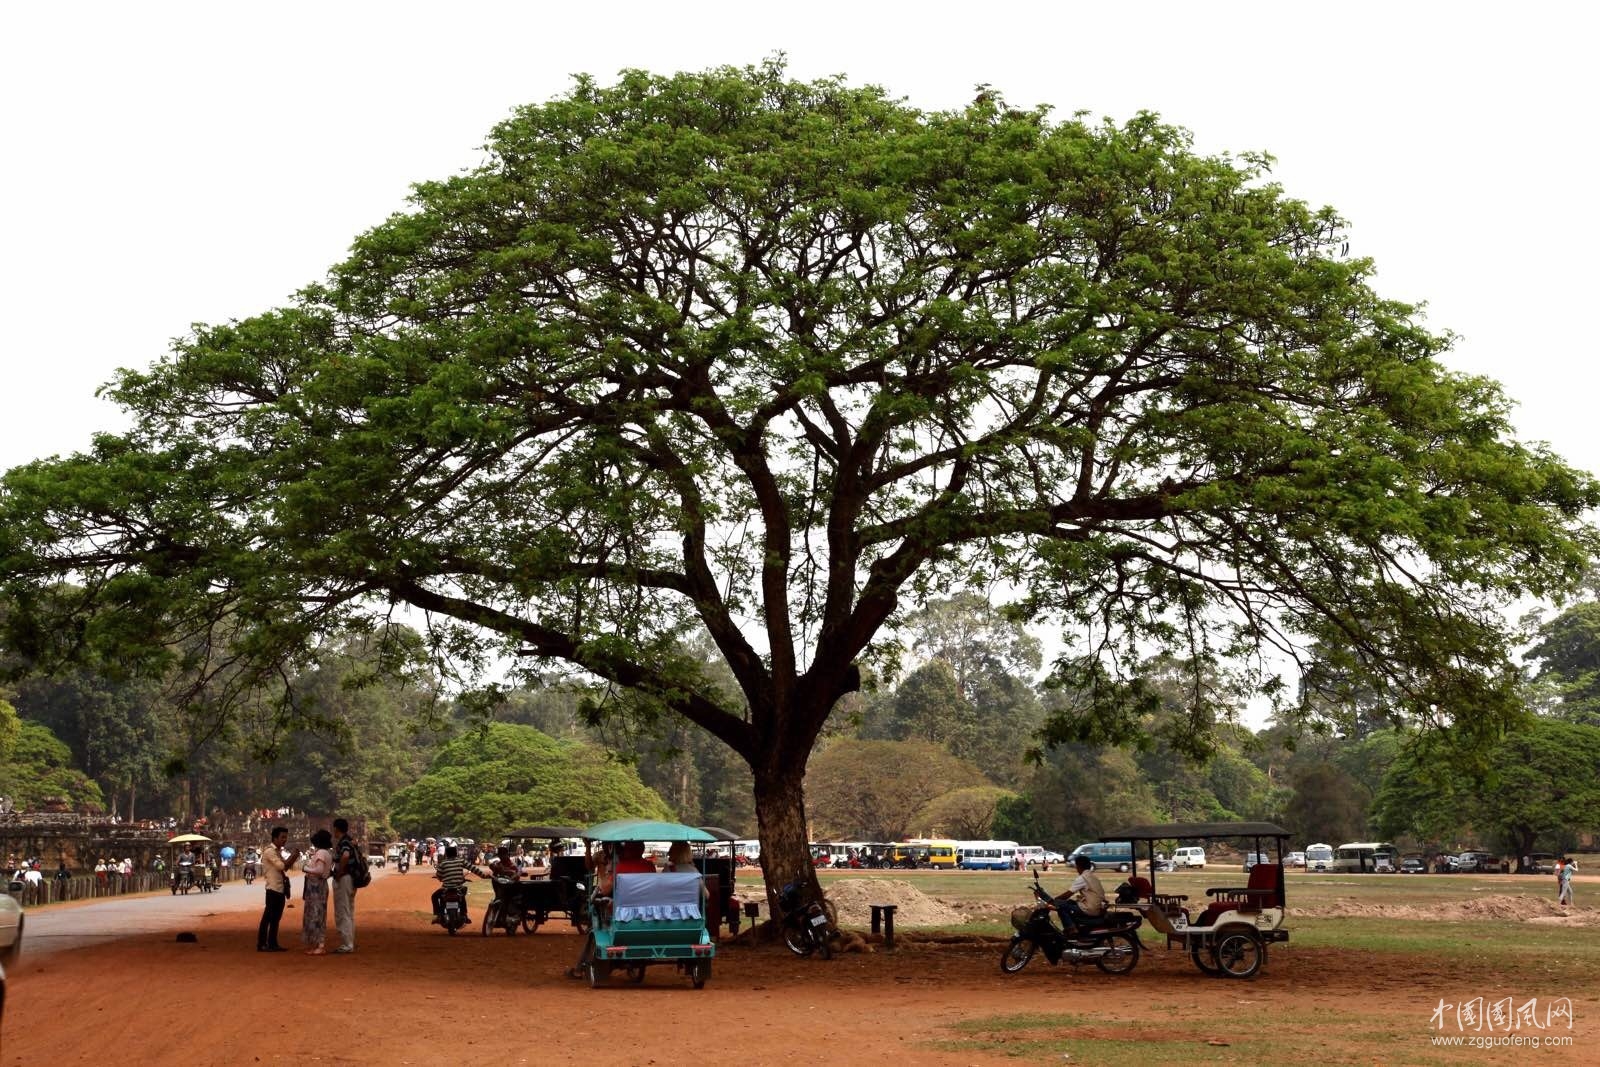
1539,783
878,790
775,361
492,780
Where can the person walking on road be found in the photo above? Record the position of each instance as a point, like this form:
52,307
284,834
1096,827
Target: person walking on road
277,866
1564,881
314,896
344,887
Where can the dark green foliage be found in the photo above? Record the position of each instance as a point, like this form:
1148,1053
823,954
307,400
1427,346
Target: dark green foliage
1539,787
35,766
1568,652
1328,806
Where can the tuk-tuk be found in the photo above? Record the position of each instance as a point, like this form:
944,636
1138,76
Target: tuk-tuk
722,905
646,919
1229,936
187,876
564,887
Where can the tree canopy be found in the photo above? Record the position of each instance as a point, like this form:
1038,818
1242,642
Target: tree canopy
774,361
488,781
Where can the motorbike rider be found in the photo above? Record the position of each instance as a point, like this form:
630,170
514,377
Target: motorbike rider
451,871
1085,902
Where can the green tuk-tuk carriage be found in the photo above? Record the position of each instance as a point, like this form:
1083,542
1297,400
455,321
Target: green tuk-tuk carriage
648,919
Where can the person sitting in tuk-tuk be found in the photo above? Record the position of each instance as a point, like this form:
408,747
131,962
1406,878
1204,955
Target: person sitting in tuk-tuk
1085,902
680,858
502,865
632,860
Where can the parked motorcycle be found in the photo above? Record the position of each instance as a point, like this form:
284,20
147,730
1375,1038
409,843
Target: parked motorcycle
1111,942
806,925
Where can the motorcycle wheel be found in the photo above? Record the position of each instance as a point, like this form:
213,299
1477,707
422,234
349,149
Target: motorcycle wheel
1123,954
530,923
1017,955
701,971
450,928
1240,954
636,973
598,973
798,940
491,917
825,945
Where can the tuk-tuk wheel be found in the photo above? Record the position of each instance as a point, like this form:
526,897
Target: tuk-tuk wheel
530,924
598,974
1240,953
702,971
1202,956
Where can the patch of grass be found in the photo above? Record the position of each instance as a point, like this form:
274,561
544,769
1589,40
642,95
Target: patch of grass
1356,1037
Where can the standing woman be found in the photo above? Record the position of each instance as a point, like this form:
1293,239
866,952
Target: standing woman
314,897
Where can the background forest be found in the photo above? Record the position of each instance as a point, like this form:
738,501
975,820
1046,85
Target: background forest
952,746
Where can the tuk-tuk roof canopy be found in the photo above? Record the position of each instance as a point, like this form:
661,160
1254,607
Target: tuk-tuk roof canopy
1163,831
720,834
644,830
536,832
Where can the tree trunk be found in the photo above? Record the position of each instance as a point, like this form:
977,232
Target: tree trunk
781,813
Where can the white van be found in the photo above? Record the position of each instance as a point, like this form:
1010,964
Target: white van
1190,856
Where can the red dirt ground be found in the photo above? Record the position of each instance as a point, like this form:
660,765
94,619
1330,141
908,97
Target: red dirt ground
411,994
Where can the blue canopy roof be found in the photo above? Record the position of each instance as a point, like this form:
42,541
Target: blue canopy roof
644,830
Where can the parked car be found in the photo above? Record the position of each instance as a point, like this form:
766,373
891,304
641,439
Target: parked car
11,922
1054,857
1190,856
1413,865
1541,863
1295,859
1476,862
1253,858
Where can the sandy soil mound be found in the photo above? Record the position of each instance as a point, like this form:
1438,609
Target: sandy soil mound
1505,907
913,907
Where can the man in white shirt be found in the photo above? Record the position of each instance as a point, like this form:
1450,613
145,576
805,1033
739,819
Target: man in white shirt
276,865
1086,900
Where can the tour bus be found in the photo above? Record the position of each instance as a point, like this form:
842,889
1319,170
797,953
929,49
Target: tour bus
986,855
1363,857
1319,857
940,852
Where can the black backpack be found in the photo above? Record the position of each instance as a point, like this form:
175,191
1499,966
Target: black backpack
360,873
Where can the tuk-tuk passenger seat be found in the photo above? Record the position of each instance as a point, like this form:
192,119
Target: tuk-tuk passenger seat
1265,890
651,909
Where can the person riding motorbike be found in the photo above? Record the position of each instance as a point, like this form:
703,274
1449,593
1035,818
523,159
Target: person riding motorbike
1085,901
452,874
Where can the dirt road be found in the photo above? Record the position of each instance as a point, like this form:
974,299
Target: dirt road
410,994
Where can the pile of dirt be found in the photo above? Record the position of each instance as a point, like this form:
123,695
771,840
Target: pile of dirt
853,897
1500,907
